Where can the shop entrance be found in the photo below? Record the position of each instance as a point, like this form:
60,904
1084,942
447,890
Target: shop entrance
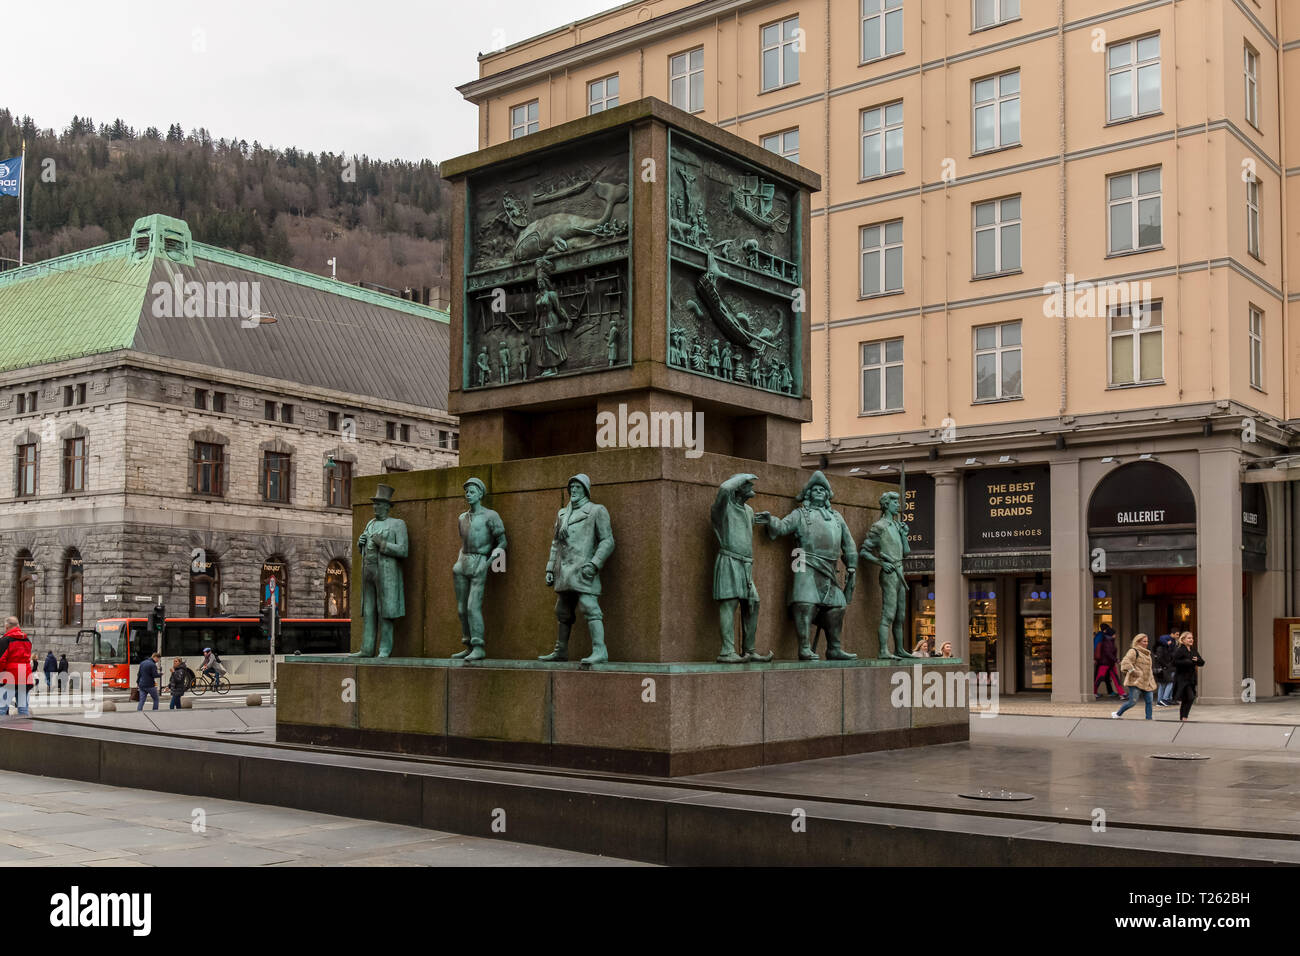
1167,604
1034,634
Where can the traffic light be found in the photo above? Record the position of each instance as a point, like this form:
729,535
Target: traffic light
158,620
266,620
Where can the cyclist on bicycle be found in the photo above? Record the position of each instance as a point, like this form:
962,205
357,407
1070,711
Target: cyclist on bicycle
212,666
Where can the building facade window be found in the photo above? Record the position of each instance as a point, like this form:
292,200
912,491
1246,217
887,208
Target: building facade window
200,399
73,591
74,395
1137,344
208,467
785,144
882,29
205,588
74,465
991,13
1256,331
1134,211
338,484
882,258
275,584
25,471
1252,217
997,237
523,119
780,53
1252,86
219,402
286,413
602,94
268,411
882,140
275,477
1133,78
686,80
404,433
25,588
997,362
26,403
390,431
332,421
882,376
996,105
336,589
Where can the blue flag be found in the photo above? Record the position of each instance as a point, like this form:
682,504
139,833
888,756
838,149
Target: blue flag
10,176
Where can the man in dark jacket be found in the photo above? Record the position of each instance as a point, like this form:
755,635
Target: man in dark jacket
51,667
15,667
147,680
63,671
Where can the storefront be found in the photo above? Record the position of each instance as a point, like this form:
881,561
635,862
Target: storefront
1007,562
918,514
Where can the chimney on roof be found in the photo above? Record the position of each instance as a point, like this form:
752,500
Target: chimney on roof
159,235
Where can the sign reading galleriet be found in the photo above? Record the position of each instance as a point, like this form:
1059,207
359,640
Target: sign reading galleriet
1009,509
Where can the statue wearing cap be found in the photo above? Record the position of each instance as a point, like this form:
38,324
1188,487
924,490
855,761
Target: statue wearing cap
580,546
382,544
733,570
815,594
887,546
482,544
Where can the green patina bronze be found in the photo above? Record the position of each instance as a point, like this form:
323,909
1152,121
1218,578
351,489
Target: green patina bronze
733,569
816,598
580,546
382,544
482,547
886,546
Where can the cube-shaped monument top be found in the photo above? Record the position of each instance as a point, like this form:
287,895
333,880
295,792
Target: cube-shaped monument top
640,234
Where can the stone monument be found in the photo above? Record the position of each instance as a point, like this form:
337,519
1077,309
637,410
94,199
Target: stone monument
629,306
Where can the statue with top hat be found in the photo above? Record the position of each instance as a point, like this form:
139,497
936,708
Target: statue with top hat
383,545
580,546
482,547
816,598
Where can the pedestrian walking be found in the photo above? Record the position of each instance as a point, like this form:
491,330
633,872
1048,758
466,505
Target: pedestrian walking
147,680
1104,656
51,668
177,683
63,672
1162,665
15,667
1186,661
1136,673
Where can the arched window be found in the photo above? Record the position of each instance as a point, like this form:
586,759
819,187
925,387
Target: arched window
205,588
275,577
336,589
25,587
72,589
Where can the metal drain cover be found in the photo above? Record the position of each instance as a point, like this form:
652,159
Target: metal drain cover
1181,755
996,795
242,730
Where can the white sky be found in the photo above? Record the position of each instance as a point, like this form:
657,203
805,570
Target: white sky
375,77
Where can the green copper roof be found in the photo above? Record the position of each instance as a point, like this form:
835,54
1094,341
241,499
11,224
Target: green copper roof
102,300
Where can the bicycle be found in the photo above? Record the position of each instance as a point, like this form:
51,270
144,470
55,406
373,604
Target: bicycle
200,684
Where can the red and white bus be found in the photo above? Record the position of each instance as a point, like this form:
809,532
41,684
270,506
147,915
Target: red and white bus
120,644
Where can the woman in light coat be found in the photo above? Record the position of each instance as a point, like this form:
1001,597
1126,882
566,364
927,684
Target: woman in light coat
1136,673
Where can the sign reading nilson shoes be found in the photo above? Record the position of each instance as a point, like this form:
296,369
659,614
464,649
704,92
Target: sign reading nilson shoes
1008,520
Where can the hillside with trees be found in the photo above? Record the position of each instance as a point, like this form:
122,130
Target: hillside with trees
386,221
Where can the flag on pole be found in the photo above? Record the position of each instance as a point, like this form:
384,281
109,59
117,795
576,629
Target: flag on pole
11,171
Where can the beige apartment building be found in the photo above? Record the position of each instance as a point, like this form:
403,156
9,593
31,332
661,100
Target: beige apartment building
1051,278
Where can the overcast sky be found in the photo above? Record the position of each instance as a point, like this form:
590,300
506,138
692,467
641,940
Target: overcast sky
375,77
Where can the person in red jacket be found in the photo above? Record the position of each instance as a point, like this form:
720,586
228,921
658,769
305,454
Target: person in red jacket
15,666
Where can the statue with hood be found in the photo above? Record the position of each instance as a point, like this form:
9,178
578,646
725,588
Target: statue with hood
580,546
816,598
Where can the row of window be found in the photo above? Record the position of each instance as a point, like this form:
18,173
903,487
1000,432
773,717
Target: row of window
27,464
1134,223
1135,357
25,402
205,588
338,422
208,476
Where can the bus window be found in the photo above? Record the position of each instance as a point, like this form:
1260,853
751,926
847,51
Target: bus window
143,642
110,643
184,640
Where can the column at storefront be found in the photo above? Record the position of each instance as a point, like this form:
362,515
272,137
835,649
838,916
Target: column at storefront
1071,604
1219,578
950,602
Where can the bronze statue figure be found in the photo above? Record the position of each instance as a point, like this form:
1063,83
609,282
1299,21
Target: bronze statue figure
886,546
733,569
815,594
382,544
580,546
482,541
